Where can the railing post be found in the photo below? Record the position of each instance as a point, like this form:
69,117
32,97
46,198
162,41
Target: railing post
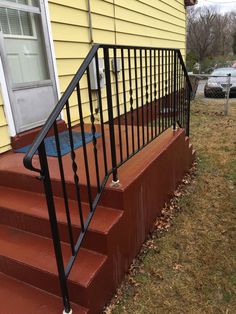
188,110
110,115
54,228
175,89
226,106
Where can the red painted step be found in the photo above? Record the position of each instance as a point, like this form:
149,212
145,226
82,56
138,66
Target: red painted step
30,258
17,297
28,211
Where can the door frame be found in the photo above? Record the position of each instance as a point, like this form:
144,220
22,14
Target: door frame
49,44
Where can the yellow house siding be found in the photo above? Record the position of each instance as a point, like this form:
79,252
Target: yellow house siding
4,136
156,23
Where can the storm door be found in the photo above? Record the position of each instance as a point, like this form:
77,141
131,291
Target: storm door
27,62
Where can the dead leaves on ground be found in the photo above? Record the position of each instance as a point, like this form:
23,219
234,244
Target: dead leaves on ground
162,224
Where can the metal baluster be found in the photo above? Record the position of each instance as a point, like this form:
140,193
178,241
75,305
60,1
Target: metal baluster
54,226
84,146
177,95
93,129
151,111
110,114
137,100
175,81
64,191
182,98
172,87
74,166
185,104
169,91
125,105
166,92
118,105
188,110
162,93
155,92
159,92
147,96
101,114
142,100
131,99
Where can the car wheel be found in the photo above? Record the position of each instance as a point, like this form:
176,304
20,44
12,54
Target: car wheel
208,94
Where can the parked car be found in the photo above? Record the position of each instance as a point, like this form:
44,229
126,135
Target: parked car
218,81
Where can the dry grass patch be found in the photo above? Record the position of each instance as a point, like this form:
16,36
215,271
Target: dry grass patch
189,263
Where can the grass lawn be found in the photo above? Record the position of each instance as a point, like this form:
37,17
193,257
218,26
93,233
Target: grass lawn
190,266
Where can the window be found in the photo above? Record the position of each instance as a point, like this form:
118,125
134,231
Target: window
16,22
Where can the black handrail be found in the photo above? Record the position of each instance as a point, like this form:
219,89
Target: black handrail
58,109
156,95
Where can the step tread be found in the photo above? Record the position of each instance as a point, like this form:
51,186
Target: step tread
28,299
37,252
34,204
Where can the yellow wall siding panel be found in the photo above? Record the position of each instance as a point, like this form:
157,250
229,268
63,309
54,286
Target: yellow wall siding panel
69,33
166,5
107,36
4,135
151,21
145,31
157,23
103,22
81,4
169,14
129,39
69,50
2,116
68,16
101,7
68,66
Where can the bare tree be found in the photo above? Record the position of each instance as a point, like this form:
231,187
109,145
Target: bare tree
201,34
224,29
209,33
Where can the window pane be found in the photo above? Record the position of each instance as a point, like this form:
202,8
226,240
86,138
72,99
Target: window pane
34,3
14,21
4,21
27,57
26,23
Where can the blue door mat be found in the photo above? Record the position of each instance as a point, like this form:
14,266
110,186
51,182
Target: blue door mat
50,143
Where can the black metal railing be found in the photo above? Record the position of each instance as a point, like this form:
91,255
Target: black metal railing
141,92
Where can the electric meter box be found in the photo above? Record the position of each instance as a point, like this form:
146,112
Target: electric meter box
93,74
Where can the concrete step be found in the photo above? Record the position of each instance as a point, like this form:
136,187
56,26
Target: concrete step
30,258
28,211
17,297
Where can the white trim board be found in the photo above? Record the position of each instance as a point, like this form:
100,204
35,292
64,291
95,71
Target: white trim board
6,103
51,42
52,47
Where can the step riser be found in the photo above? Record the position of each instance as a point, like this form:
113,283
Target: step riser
110,198
93,240
92,297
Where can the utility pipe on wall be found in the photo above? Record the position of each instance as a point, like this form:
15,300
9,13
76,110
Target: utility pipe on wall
90,22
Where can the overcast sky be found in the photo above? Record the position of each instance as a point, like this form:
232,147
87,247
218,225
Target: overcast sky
222,5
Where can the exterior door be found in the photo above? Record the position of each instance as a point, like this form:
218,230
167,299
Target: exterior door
27,62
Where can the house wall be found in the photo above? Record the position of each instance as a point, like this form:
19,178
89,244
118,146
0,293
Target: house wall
4,135
157,23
